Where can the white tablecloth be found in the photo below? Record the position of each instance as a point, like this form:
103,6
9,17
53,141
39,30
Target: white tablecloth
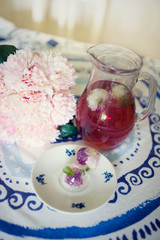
133,212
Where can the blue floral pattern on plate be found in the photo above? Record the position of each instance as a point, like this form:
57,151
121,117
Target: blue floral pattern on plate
41,179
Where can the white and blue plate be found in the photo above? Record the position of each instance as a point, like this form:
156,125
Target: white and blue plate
46,181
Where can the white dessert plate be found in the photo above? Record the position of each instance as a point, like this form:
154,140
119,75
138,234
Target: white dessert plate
46,181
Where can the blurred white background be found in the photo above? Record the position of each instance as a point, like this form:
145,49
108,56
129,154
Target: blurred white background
132,23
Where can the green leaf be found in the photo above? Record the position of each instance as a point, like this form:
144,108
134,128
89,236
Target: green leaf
5,51
67,170
68,130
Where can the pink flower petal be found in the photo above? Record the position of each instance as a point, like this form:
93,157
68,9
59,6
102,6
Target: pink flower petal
35,96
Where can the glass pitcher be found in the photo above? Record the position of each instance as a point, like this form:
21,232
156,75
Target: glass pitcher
106,111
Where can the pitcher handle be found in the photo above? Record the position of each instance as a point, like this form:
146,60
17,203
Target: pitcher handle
151,82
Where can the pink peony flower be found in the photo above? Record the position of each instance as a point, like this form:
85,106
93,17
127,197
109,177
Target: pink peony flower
35,96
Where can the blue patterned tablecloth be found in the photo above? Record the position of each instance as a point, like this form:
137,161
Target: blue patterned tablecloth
133,212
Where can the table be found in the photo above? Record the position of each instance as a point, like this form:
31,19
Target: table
133,212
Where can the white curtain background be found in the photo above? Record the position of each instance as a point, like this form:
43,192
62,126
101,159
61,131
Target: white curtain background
134,24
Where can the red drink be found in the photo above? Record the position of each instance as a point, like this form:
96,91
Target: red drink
105,114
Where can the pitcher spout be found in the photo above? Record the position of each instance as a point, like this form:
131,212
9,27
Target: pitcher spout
115,59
